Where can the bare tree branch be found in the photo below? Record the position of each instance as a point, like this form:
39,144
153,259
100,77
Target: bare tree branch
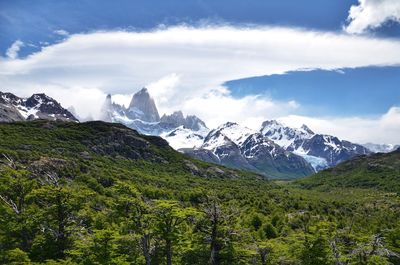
11,204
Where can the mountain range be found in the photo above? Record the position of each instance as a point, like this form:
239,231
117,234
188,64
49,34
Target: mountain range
142,115
274,150
38,106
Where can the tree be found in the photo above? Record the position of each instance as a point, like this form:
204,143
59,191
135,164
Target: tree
270,231
316,249
57,207
373,251
217,226
16,185
256,221
138,217
143,222
170,215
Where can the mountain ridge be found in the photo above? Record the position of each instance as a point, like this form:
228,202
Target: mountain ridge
240,147
37,106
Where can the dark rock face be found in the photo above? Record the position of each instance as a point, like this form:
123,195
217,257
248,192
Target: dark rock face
269,157
333,150
142,107
117,140
38,106
201,154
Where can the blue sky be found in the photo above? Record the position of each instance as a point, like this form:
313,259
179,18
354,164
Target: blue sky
364,90
242,60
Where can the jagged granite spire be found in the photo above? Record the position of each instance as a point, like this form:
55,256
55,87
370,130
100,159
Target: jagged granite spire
107,109
143,107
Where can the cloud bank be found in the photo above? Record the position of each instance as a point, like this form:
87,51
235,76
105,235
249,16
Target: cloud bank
184,67
371,14
382,129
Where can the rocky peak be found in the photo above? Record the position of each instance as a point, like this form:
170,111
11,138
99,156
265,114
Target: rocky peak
107,109
307,129
270,123
195,123
38,106
235,132
37,100
216,139
9,98
284,135
177,119
229,124
143,107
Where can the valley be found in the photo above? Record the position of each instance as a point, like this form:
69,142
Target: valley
71,189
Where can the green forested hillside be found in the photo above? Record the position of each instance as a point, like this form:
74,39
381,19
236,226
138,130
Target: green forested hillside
98,193
379,171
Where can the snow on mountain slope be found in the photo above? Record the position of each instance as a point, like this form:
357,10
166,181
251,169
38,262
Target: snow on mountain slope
235,132
240,147
290,150
142,115
283,135
256,142
320,150
38,106
183,137
215,139
318,163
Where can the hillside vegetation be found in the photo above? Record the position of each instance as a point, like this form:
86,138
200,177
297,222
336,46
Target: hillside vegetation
100,193
379,171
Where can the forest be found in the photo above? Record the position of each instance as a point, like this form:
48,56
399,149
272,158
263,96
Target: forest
100,193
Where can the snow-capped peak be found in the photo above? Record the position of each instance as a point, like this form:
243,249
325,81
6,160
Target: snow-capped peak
235,132
215,139
38,106
284,135
183,137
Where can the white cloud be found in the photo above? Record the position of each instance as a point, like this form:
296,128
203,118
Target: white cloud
164,89
12,52
218,106
184,67
370,14
383,129
61,32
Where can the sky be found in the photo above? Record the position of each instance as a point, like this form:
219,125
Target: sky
334,65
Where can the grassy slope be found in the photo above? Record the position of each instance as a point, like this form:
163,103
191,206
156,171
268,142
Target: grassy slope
111,152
